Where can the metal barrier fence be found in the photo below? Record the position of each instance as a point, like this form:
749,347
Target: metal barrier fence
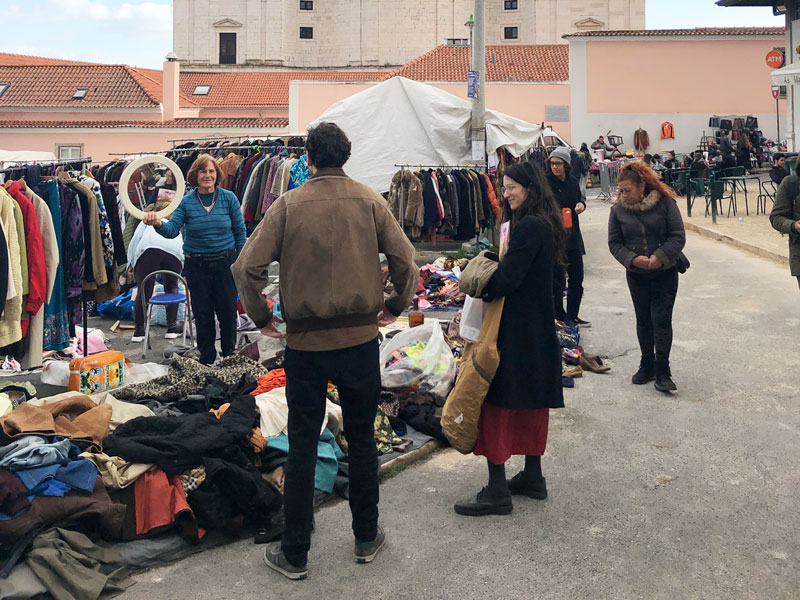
608,179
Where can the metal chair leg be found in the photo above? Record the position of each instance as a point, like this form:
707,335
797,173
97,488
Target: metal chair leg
146,343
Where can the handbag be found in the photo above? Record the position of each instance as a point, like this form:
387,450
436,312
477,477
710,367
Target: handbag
247,348
682,264
98,372
477,368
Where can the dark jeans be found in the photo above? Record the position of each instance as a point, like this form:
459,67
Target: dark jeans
355,371
653,300
151,260
571,278
213,292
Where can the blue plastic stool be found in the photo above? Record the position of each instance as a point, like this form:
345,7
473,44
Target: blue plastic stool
165,300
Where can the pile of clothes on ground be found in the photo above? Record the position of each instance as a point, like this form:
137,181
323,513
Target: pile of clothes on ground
93,486
438,285
574,359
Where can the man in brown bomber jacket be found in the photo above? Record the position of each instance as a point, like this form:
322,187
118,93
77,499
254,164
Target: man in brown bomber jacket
326,235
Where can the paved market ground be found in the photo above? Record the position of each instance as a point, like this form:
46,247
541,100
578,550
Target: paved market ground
651,496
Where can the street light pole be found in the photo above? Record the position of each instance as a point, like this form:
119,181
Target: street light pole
478,64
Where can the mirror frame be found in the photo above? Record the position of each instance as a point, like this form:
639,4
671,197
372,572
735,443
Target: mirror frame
124,180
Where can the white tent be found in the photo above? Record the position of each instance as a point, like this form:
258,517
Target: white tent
400,121
12,157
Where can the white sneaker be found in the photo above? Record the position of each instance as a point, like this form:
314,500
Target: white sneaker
137,338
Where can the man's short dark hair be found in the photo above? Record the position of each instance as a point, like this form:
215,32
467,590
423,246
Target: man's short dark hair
778,156
327,146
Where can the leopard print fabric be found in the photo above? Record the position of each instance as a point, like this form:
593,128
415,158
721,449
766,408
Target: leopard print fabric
187,377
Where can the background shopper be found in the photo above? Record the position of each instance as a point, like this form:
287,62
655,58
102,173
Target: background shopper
516,412
567,193
646,235
214,234
149,252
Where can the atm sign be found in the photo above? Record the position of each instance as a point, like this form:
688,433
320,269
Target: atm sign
774,59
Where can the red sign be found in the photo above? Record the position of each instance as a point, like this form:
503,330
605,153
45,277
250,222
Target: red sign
775,59
776,91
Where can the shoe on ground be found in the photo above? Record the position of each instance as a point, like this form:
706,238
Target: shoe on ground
484,504
174,332
664,383
275,560
138,336
366,552
522,485
642,376
581,323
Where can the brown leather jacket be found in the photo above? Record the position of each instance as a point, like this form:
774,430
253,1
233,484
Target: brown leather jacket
326,235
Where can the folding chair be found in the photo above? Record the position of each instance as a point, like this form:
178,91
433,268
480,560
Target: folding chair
165,300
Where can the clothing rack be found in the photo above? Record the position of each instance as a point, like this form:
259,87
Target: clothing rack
472,166
56,163
213,148
249,147
49,163
238,138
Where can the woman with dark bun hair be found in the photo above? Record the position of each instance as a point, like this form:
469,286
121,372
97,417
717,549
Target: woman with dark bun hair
646,235
515,414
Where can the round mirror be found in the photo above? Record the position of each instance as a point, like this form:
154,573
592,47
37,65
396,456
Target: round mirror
151,180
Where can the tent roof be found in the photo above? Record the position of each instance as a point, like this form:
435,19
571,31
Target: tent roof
405,122
23,156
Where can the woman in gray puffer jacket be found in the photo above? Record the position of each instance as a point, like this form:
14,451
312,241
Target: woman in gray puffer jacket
646,235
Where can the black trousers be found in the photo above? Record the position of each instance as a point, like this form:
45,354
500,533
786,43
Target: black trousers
571,279
213,292
653,300
355,372
151,260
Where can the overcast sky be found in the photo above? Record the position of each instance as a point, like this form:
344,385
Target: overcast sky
139,33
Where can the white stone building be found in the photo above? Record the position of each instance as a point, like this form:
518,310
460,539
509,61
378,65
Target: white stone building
372,33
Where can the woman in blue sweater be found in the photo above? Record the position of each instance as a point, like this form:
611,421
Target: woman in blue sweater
213,236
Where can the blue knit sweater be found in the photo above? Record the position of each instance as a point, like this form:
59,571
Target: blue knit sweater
207,232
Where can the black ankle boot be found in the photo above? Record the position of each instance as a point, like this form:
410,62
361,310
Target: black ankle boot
645,373
664,381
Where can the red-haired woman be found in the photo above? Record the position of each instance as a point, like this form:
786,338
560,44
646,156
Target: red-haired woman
646,235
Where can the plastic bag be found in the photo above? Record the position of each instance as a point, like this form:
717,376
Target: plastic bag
472,318
55,372
424,361
141,372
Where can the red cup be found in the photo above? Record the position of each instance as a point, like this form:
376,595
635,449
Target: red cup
567,215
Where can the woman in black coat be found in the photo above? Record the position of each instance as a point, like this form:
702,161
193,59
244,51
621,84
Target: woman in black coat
646,235
515,414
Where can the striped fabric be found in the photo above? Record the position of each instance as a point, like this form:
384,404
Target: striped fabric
207,232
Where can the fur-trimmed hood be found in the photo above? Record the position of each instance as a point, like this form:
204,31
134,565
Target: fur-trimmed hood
647,204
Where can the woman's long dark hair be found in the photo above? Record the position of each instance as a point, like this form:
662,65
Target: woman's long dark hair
540,203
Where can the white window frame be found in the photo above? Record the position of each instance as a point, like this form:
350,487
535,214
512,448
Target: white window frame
71,148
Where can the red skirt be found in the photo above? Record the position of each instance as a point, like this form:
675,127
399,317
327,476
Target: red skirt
503,432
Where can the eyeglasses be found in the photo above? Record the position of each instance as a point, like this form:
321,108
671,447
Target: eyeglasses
509,188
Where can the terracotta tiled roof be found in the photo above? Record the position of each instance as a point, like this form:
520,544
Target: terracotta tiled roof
232,123
761,31
110,86
526,62
23,60
54,85
259,89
